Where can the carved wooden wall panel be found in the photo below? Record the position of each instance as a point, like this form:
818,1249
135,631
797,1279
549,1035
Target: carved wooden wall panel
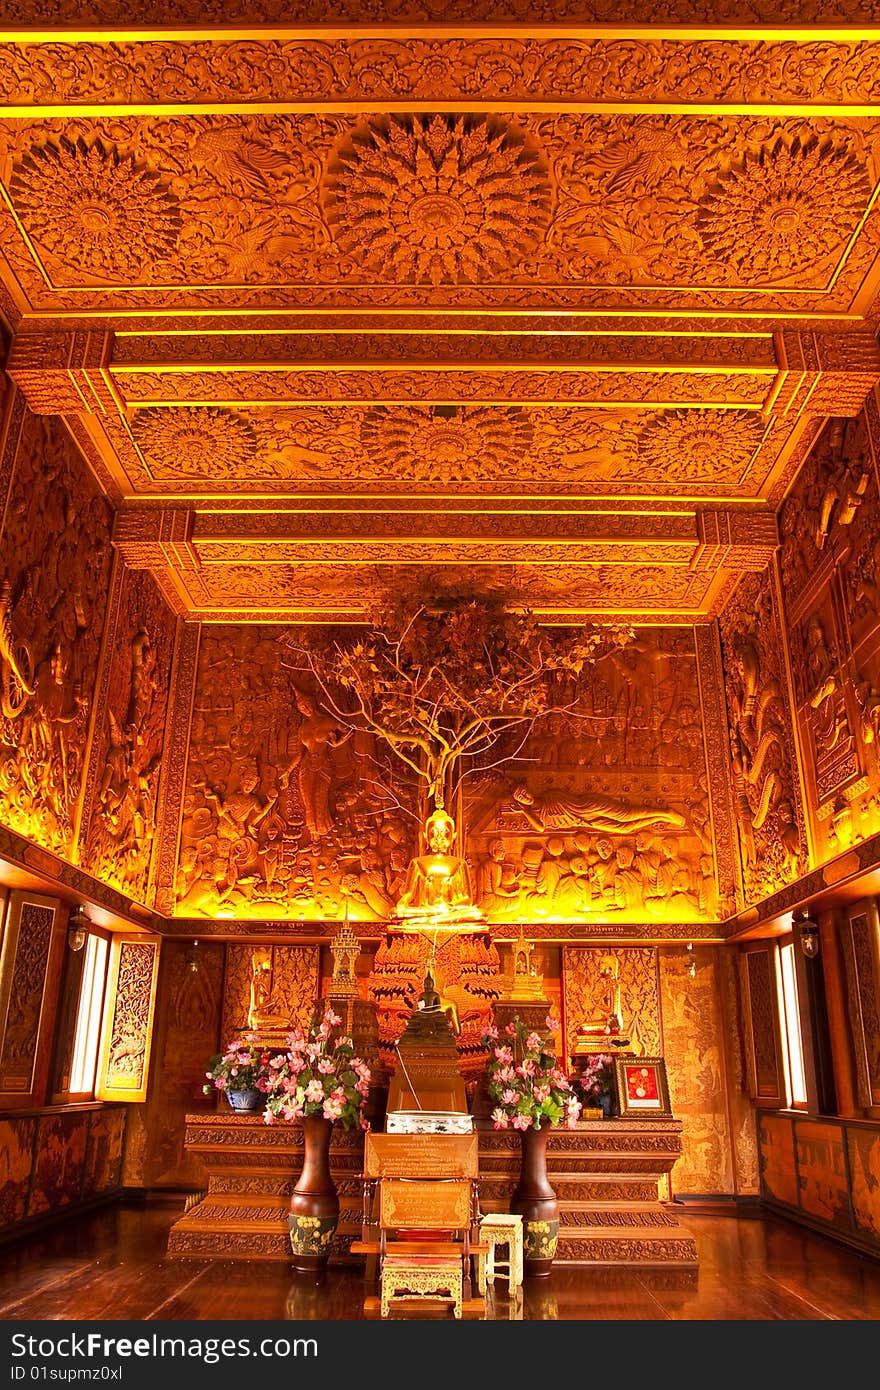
763,766
120,812
54,573
608,820
30,961
740,1109
761,1035
861,953
295,986
830,565
283,816
126,1034
186,1033
639,993
694,1048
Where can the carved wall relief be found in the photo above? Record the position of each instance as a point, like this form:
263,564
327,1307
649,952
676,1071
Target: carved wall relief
583,986
693,1039
609,817
186,1033
122,790
829,564
285,813
766,792
54,580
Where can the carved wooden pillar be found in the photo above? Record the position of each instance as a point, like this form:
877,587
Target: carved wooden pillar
173,773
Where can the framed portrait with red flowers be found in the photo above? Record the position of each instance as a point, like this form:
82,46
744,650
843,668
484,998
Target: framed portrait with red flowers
642,1088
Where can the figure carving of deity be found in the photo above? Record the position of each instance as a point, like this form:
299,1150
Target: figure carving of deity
563,810
317,735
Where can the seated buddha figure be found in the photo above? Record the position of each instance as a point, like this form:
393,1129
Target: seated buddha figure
438,884
606,1020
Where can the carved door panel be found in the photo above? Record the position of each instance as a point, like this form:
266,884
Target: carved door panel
30,963
861,954
126,1035
762,1036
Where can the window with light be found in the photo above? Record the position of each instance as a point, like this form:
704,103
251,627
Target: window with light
789,1014
88,1017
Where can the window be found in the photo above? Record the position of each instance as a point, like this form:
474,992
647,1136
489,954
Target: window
88,1017
789,1013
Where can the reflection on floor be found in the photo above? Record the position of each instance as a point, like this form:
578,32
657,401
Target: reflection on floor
111,1264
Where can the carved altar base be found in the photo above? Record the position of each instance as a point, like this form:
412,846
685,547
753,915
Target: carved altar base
252,1168
605,1173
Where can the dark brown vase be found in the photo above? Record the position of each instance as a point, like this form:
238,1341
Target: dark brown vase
314,1202
535,1201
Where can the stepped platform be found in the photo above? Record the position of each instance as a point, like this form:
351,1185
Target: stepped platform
607,1176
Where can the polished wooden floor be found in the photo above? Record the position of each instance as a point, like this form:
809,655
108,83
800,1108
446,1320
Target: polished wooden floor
111,1264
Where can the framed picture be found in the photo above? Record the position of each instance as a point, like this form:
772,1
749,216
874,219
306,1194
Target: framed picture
641,1087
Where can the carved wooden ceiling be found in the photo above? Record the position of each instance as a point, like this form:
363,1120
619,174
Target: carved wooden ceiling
541,305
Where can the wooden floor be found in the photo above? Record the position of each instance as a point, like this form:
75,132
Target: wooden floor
111,1264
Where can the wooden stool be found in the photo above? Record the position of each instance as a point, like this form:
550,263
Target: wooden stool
498,1228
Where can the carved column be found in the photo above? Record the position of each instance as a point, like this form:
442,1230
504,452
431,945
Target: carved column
172,776
714,708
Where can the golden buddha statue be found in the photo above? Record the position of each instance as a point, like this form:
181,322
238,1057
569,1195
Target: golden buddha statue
265,1018
438,889
606,1023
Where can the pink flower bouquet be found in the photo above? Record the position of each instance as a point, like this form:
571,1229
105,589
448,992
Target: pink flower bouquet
317,1075
526,1082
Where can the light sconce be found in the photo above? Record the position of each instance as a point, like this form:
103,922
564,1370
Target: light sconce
691,961
77,929
808,933
192,964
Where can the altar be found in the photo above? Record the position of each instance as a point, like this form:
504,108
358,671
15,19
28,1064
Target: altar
606,1174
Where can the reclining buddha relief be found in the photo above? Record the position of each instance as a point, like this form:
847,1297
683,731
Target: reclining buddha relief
603,813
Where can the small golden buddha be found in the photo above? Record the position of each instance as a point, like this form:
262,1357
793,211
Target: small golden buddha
606,1023
265,1018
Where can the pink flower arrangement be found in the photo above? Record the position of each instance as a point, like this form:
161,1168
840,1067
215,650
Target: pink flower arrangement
596,1078
526,1082
317,1075
236,1069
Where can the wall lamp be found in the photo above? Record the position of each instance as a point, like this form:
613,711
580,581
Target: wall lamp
808,933
77,929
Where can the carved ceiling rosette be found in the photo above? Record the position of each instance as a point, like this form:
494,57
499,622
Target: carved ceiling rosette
93,208
201,443
784,210
447,443
681,445
437,199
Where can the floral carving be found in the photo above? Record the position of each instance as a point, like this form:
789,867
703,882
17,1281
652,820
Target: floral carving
94,208
784,210
437,199
681,444
447,443
195,443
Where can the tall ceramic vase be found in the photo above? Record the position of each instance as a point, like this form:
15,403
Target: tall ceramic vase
314,1202
535,1201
